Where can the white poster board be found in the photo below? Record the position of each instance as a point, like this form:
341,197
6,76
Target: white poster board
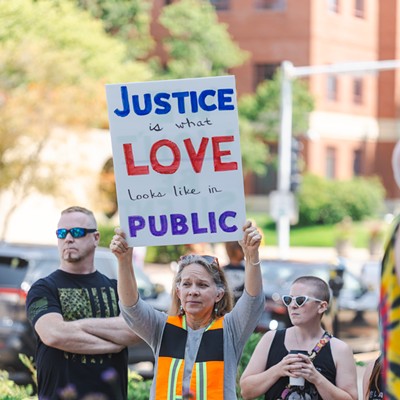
177,160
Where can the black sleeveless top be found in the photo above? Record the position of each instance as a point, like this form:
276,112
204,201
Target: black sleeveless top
323,363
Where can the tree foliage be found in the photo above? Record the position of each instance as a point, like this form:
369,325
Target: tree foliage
57,55
197,44
263,108
55,60
323,201
128,20
260,120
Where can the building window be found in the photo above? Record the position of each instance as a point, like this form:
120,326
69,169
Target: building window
357,162
332,87
359,8
220,4
330,163
273,5
264,72
333,5
358,91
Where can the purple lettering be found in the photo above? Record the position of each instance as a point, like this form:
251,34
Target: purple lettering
153,228
178,224
135,223
195,224
212,222
223,218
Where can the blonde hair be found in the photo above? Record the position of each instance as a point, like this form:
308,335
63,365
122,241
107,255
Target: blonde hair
82,210
211,265
319,286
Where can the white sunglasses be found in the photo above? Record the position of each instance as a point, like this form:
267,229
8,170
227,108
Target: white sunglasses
298,300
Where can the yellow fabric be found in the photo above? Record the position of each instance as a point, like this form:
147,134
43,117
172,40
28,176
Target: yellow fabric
390,319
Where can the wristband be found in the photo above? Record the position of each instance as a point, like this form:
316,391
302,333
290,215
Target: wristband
257,263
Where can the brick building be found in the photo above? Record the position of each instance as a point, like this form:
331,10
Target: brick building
354,126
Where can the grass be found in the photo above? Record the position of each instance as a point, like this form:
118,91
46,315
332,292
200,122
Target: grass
312,236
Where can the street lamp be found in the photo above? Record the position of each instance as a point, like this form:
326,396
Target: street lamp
289,72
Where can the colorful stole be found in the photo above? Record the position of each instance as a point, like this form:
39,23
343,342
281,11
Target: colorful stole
207,380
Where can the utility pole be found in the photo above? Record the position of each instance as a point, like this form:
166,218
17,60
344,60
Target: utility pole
285,140
290,72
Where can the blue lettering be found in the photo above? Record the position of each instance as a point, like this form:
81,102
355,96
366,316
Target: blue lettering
161,103
164,106
125,103
181,100
202,100
147,104
193,102
224,99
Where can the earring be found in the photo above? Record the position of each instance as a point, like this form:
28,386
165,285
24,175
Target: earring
216,308
181,310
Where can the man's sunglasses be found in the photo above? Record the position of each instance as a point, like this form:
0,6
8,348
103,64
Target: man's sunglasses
75,232
298,300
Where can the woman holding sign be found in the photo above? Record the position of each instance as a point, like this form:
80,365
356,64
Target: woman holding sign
197,348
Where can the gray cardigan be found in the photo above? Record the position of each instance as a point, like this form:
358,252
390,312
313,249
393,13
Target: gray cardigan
239,324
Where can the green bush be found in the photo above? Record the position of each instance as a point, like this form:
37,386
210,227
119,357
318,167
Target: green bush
165,254
106,234
322,201
154,254
138,388
11,391
244,360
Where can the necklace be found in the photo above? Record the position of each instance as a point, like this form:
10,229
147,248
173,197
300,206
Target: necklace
297,340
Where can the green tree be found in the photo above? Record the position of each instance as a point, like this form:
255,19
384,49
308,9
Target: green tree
128,20
259,114
55,60
197,44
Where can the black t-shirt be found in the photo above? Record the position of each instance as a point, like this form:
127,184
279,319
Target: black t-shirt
323,363
76,297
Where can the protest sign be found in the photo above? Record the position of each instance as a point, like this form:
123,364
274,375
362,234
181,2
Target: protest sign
177,160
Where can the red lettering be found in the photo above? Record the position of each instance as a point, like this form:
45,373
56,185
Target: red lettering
218,154
196,158
131,168
165,169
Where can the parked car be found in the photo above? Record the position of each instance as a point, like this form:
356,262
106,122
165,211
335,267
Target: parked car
20,266
354,297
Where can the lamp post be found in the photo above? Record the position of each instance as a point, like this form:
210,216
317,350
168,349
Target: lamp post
289,72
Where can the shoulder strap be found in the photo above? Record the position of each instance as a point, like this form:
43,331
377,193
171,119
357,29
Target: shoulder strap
326,337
